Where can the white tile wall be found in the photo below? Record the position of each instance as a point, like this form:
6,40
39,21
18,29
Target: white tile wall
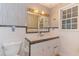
7,36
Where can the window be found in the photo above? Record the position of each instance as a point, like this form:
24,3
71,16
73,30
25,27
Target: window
69,18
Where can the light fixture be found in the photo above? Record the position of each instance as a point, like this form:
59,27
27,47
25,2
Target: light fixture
36,11
43,12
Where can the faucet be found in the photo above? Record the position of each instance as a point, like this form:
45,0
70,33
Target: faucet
41,34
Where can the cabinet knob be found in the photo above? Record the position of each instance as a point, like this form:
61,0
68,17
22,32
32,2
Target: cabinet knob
55,47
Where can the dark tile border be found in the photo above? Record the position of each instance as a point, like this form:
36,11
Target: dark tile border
13,25
30,32
54,27
41,31
37,31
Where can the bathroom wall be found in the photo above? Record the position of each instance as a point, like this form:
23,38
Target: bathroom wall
14,14
69,39
11,40
55,14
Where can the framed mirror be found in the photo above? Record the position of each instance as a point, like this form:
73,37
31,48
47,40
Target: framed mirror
43,24
37,22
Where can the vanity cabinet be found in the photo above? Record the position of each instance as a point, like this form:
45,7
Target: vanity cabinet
48,48
12,14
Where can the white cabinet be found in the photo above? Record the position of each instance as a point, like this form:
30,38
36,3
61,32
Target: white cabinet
12,14
37,49
47,48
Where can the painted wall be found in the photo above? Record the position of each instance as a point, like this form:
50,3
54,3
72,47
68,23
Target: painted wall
69,39
54,15
12,14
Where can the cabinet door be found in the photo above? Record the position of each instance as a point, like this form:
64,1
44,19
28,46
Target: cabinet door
54,46
42,49
37,49
47,48
50,47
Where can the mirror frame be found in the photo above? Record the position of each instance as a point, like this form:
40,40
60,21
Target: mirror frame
47,28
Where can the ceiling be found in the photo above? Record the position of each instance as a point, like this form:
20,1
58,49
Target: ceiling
49,5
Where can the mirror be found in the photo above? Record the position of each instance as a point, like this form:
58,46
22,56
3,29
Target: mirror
43,24
37,22
32,23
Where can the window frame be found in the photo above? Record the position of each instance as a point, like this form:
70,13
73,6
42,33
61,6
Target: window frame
61,17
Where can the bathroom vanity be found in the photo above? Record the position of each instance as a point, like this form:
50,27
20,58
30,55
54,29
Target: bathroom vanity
36,43
41,46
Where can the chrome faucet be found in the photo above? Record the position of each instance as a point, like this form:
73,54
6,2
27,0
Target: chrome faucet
41,34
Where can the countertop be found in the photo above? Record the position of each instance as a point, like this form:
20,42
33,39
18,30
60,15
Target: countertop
36,38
